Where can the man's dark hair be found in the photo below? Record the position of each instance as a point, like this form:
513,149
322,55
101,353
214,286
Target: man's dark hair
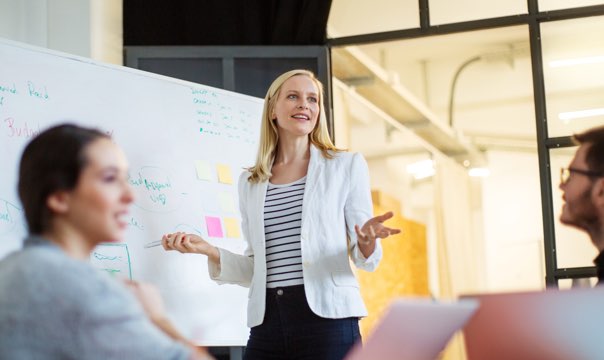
595,153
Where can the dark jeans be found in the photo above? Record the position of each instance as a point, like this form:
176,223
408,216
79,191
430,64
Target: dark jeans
291,330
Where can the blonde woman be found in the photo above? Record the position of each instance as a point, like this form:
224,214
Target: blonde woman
306,212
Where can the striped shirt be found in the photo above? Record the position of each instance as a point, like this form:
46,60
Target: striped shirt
282,223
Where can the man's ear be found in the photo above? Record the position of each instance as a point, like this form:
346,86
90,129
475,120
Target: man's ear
597,192
58,202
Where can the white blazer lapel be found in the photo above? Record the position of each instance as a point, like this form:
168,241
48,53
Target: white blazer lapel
258,206
315,168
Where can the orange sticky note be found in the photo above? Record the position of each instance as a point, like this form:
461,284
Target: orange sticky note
224,174
232,227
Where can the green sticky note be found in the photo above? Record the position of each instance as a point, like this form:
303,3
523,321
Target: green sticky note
204,171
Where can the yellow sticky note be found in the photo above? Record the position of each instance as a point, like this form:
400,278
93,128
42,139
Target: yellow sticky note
204,172
224,174
232,227
227,203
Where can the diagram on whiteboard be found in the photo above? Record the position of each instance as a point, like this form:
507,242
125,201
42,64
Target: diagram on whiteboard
155,190
112,258
11,216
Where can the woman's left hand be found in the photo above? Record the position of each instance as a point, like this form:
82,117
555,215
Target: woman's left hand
371,231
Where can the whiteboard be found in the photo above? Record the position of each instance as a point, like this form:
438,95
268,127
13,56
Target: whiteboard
186,144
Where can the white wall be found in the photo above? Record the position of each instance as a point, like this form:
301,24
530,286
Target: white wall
25,21
69,26
89,28
513,226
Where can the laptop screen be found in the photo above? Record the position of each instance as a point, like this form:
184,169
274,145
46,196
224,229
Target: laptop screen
537,325
414,329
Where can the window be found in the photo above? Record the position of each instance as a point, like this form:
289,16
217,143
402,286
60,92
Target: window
363,17
573,56
447,11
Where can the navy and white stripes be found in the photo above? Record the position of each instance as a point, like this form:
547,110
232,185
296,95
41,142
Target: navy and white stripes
282,223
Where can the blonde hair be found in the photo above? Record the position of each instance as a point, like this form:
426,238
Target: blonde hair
269,136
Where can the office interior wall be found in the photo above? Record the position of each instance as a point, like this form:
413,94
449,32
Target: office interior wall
513,222
94,29
89,28
25,21
495,108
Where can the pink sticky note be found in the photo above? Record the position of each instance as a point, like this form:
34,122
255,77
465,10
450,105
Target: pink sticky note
214,227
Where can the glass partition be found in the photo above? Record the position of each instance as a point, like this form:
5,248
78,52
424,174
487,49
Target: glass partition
476,86
549,5
573,64
573,247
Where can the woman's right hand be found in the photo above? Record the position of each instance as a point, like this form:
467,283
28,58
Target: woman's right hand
186,243
149,297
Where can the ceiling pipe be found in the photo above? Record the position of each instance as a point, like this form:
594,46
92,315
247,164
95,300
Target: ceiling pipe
454,83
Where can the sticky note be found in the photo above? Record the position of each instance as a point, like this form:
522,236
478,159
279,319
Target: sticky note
232,228
214,227
227,204
203,169
224,174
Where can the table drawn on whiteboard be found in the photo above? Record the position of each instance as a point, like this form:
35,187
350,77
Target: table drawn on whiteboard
155,190
11,216
113,259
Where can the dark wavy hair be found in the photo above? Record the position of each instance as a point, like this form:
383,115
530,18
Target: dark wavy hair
595,153
51,162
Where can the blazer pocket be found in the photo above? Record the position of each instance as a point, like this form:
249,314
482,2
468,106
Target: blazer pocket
344,278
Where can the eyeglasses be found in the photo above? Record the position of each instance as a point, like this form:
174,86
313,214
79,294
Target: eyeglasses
565,174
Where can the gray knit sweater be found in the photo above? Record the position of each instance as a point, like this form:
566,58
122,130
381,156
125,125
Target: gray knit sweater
55,307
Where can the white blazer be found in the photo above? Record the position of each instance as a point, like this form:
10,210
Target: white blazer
336,198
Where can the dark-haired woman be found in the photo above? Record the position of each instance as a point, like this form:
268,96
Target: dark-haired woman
53,303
